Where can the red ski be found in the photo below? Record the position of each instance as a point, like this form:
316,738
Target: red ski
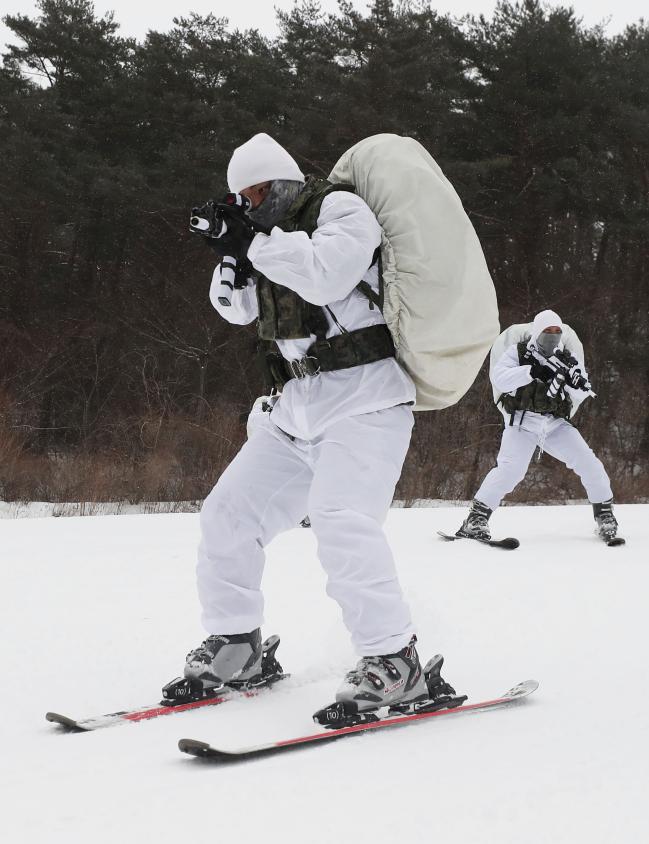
182,697
145,713
206,751
111,719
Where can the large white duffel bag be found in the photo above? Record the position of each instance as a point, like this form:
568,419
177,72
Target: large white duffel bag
439,299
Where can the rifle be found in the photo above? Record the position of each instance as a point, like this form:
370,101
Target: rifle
567,372
213,221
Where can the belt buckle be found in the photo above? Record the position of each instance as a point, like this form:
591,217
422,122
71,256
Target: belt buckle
311,365
307,366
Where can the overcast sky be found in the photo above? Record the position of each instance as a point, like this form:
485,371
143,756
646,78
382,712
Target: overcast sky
137,16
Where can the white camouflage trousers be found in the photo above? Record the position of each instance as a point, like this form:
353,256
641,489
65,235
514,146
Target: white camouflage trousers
560,440
344,479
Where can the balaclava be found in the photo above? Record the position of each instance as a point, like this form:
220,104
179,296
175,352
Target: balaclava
280,197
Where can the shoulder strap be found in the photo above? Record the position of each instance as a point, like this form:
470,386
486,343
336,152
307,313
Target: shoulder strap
376,299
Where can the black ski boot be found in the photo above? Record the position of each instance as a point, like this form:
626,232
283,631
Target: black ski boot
476,524
607,523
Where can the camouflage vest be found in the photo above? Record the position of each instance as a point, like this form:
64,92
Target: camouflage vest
283,314
534,396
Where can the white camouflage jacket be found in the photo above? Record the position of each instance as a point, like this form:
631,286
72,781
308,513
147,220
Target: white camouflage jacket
324,269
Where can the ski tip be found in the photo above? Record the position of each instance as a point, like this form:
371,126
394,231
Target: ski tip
447,536
522,689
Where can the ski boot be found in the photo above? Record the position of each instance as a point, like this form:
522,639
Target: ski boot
476,524
607,523
395,681
238,662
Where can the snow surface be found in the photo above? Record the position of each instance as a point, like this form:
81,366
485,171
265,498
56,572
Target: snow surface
98,612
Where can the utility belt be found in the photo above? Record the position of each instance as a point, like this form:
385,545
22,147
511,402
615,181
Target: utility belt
524,412
351,348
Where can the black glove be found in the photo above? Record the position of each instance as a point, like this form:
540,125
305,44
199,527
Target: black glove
237,239
576,380
242,273
537,370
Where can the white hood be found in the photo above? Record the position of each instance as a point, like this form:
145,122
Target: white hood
544,320
261,159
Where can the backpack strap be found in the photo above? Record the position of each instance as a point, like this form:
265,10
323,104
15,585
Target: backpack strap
376,299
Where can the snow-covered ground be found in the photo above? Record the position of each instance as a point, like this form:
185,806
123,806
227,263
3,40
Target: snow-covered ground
98,612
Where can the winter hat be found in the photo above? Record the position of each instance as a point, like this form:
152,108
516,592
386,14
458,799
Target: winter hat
544,320
261,159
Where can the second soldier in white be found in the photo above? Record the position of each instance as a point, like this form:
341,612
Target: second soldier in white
537,404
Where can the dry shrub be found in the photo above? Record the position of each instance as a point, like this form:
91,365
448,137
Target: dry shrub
11,449
20,470
169,458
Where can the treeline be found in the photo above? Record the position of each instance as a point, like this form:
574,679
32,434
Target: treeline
118,380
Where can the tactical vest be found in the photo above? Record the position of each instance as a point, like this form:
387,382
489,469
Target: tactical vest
284,315
534,396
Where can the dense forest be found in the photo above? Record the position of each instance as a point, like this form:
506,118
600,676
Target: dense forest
119,381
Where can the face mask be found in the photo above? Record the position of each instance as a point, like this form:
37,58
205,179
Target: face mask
547,342
280,197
